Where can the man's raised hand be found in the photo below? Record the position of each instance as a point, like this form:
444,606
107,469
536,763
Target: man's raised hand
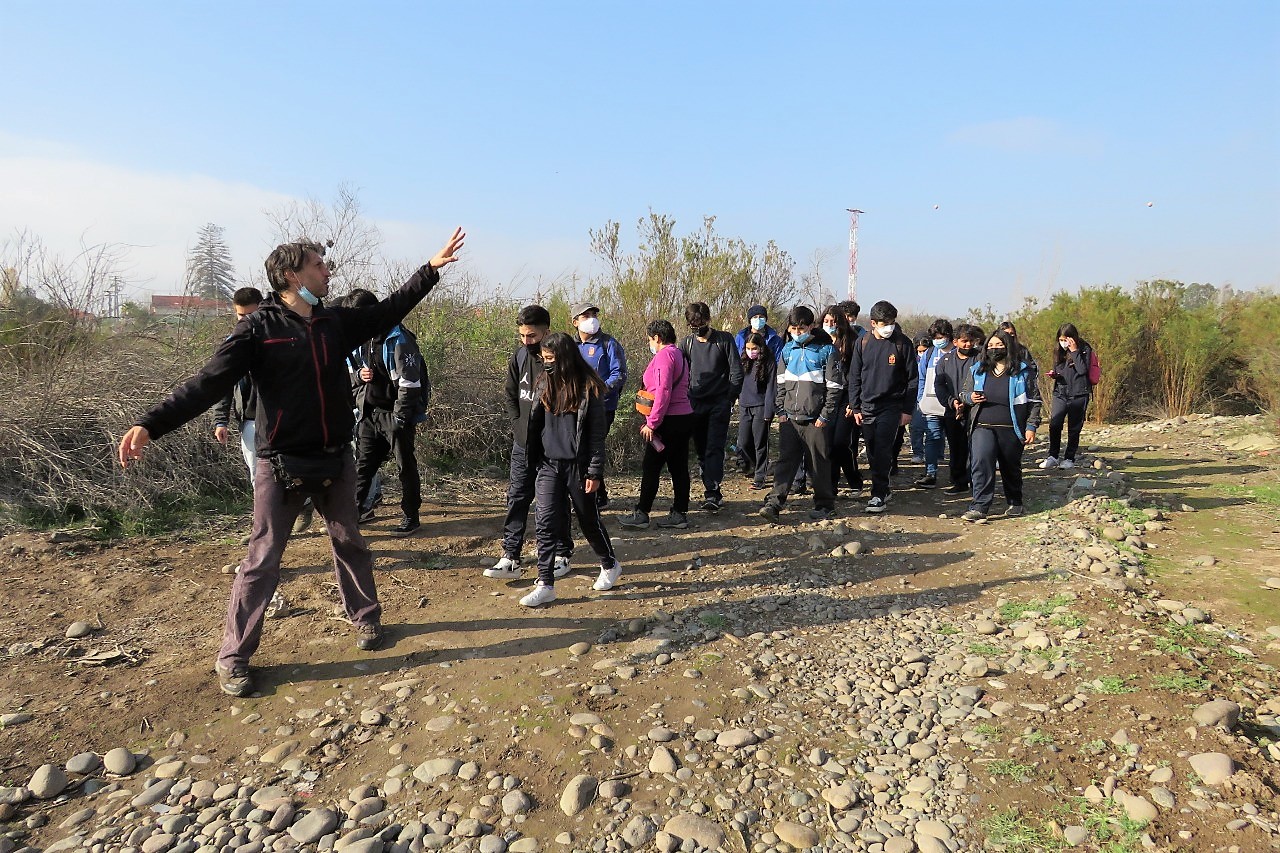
449,253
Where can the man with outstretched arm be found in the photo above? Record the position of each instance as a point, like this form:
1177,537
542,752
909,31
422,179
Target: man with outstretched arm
294,349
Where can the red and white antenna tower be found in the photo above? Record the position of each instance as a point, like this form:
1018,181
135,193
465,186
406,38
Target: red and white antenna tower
853,252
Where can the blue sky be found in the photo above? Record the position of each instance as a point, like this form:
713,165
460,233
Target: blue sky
1040,131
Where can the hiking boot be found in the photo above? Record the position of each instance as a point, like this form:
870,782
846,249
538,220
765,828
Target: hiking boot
234,680
561,568
635,519
303,522
1014,511
674,520
877,504
1067,463
1049,462
608,577
407,526
711,505
974,515
506,569
770,512
541,594
369,636
958,488
928,481
822,513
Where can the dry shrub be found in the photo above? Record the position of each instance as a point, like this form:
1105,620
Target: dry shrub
64,420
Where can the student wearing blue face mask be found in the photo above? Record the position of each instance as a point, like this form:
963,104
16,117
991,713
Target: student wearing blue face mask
810,389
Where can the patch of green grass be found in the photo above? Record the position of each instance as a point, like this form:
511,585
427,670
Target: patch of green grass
1095,746
1115,831
987,730
709,659
714,621
1136,517
1013,769
1011,611
1015,833
1183,682
1050,654
946,630
1258,494
1069,620
1038,738
1235,655
1114,685
987,650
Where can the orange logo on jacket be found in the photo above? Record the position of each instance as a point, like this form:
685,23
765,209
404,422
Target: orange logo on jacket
893,358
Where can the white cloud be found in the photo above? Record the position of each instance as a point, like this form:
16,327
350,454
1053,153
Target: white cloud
1027,134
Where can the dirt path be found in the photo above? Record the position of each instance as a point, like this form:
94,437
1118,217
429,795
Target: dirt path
143,679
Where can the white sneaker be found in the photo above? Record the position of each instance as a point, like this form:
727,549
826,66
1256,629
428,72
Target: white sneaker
608,577
1050,462
506,569
561,568
1066,463
542,594
277,607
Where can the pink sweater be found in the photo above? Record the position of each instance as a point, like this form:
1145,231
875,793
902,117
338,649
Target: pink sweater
667,379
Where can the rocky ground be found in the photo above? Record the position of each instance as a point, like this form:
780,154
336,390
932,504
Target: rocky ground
1098,675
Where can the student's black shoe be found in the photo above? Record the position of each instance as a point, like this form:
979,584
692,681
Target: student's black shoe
711,505
770,512
368,515
928,481
822,513
407,526
755,487
958,489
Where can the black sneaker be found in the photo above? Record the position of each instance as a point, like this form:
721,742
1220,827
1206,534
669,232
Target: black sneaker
368,515
822,513
711,505
369,636
770,512
674,521
1014,511
958,489
407,526
928,481
877,505
234,680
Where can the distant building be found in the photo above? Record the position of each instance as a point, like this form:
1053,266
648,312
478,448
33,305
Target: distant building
197,306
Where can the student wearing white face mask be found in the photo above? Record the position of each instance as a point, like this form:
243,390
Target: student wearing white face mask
607,358
883,378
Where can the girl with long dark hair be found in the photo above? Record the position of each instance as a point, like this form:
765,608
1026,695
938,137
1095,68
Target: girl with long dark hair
1002,390
843,432
1075,372
756,404
568,422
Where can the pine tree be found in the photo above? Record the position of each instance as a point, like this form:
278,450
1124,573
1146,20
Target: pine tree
210,272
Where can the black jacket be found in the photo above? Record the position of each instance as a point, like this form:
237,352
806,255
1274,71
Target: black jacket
399,384
519,391
298,366
589,435
241,404
883,374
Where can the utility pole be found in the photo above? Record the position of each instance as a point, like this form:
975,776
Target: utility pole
853,252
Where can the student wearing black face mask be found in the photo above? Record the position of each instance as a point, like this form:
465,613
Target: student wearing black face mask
533,323
947,382
715,380
1005,398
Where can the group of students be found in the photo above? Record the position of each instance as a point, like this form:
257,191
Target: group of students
825,380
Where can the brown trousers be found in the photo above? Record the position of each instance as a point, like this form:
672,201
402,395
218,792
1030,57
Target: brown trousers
274,511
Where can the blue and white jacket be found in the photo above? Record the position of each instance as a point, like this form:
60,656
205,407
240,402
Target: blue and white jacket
810,379
1024,395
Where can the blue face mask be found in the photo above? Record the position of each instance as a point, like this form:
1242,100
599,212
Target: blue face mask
802,337
757,323
940,344
308,297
